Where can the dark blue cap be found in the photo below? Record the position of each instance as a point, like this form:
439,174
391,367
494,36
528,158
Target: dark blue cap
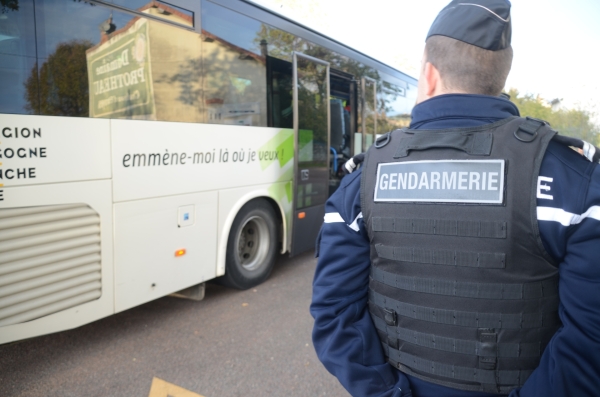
483,23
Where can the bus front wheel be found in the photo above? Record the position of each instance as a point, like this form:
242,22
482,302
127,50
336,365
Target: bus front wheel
251,247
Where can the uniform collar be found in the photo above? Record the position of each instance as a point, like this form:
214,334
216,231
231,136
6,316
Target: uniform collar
461,110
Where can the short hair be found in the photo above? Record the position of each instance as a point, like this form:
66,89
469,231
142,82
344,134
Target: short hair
469,68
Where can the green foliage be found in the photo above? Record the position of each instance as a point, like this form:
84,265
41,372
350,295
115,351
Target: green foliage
575,123
62,87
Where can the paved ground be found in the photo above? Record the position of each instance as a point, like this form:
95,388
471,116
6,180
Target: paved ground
233,343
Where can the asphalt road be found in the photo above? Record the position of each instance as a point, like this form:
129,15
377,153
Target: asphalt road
233,343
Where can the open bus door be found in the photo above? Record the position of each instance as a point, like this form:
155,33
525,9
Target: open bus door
311,157
320,105
324,118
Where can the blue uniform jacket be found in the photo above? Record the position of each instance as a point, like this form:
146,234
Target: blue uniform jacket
568,211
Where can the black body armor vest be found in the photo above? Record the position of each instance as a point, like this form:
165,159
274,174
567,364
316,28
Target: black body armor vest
462,291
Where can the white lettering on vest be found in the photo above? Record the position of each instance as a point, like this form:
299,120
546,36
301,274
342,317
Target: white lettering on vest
493,180
383,182
541,187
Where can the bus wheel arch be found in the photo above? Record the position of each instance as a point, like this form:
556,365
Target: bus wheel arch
252,244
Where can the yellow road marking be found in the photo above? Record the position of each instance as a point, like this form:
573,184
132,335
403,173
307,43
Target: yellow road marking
160,388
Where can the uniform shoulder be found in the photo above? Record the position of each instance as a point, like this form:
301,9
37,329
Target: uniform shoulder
561,155
573,179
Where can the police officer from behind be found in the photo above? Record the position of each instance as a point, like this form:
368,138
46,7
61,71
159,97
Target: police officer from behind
462,258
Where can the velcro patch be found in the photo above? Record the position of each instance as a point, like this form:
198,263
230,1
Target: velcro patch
441,181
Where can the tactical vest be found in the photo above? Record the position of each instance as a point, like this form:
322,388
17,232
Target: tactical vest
461,291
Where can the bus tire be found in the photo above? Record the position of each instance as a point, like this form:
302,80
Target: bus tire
251,246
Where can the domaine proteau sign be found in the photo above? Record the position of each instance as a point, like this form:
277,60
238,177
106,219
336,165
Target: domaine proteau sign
451,181
119,75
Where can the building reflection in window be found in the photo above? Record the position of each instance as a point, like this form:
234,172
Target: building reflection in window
147,69
235,70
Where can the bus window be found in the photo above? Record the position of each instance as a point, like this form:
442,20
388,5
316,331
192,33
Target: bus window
17,59
235,69
281,113
95,61
394,107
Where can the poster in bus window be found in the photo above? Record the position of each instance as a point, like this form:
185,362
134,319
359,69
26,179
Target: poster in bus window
119,75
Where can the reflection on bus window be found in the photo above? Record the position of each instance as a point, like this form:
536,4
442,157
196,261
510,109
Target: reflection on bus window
146,69
158,9
235,70
369,111
94,61
17,59
394,107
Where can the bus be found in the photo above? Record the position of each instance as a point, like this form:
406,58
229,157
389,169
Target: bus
147,147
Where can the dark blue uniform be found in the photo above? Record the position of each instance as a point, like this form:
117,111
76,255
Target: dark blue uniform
568,210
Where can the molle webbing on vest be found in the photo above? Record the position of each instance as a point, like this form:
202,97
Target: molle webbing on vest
442,257
474,144
483,229
535,290
466,318
490,380
462,346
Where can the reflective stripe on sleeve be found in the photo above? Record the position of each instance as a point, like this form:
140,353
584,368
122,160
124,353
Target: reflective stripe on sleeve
589,150
566,218
335,217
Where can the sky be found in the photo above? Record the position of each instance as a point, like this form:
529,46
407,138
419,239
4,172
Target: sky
556,43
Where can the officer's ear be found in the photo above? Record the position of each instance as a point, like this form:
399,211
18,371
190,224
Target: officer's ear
429,82
432,79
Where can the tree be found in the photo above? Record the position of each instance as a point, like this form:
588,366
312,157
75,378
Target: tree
575,123
62,87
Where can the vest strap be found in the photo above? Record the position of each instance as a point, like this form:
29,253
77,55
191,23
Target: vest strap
530,127
479,144
490,380
462,346
468,319
482,229
535,290
442,257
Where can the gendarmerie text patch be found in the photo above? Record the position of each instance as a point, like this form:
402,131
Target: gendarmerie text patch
441,181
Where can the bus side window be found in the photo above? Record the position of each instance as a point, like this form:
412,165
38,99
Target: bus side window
17,61
395,104
235,68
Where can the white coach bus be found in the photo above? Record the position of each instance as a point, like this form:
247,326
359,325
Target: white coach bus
147,147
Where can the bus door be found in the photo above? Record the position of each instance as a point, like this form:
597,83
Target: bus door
343,113
368,115
311,159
